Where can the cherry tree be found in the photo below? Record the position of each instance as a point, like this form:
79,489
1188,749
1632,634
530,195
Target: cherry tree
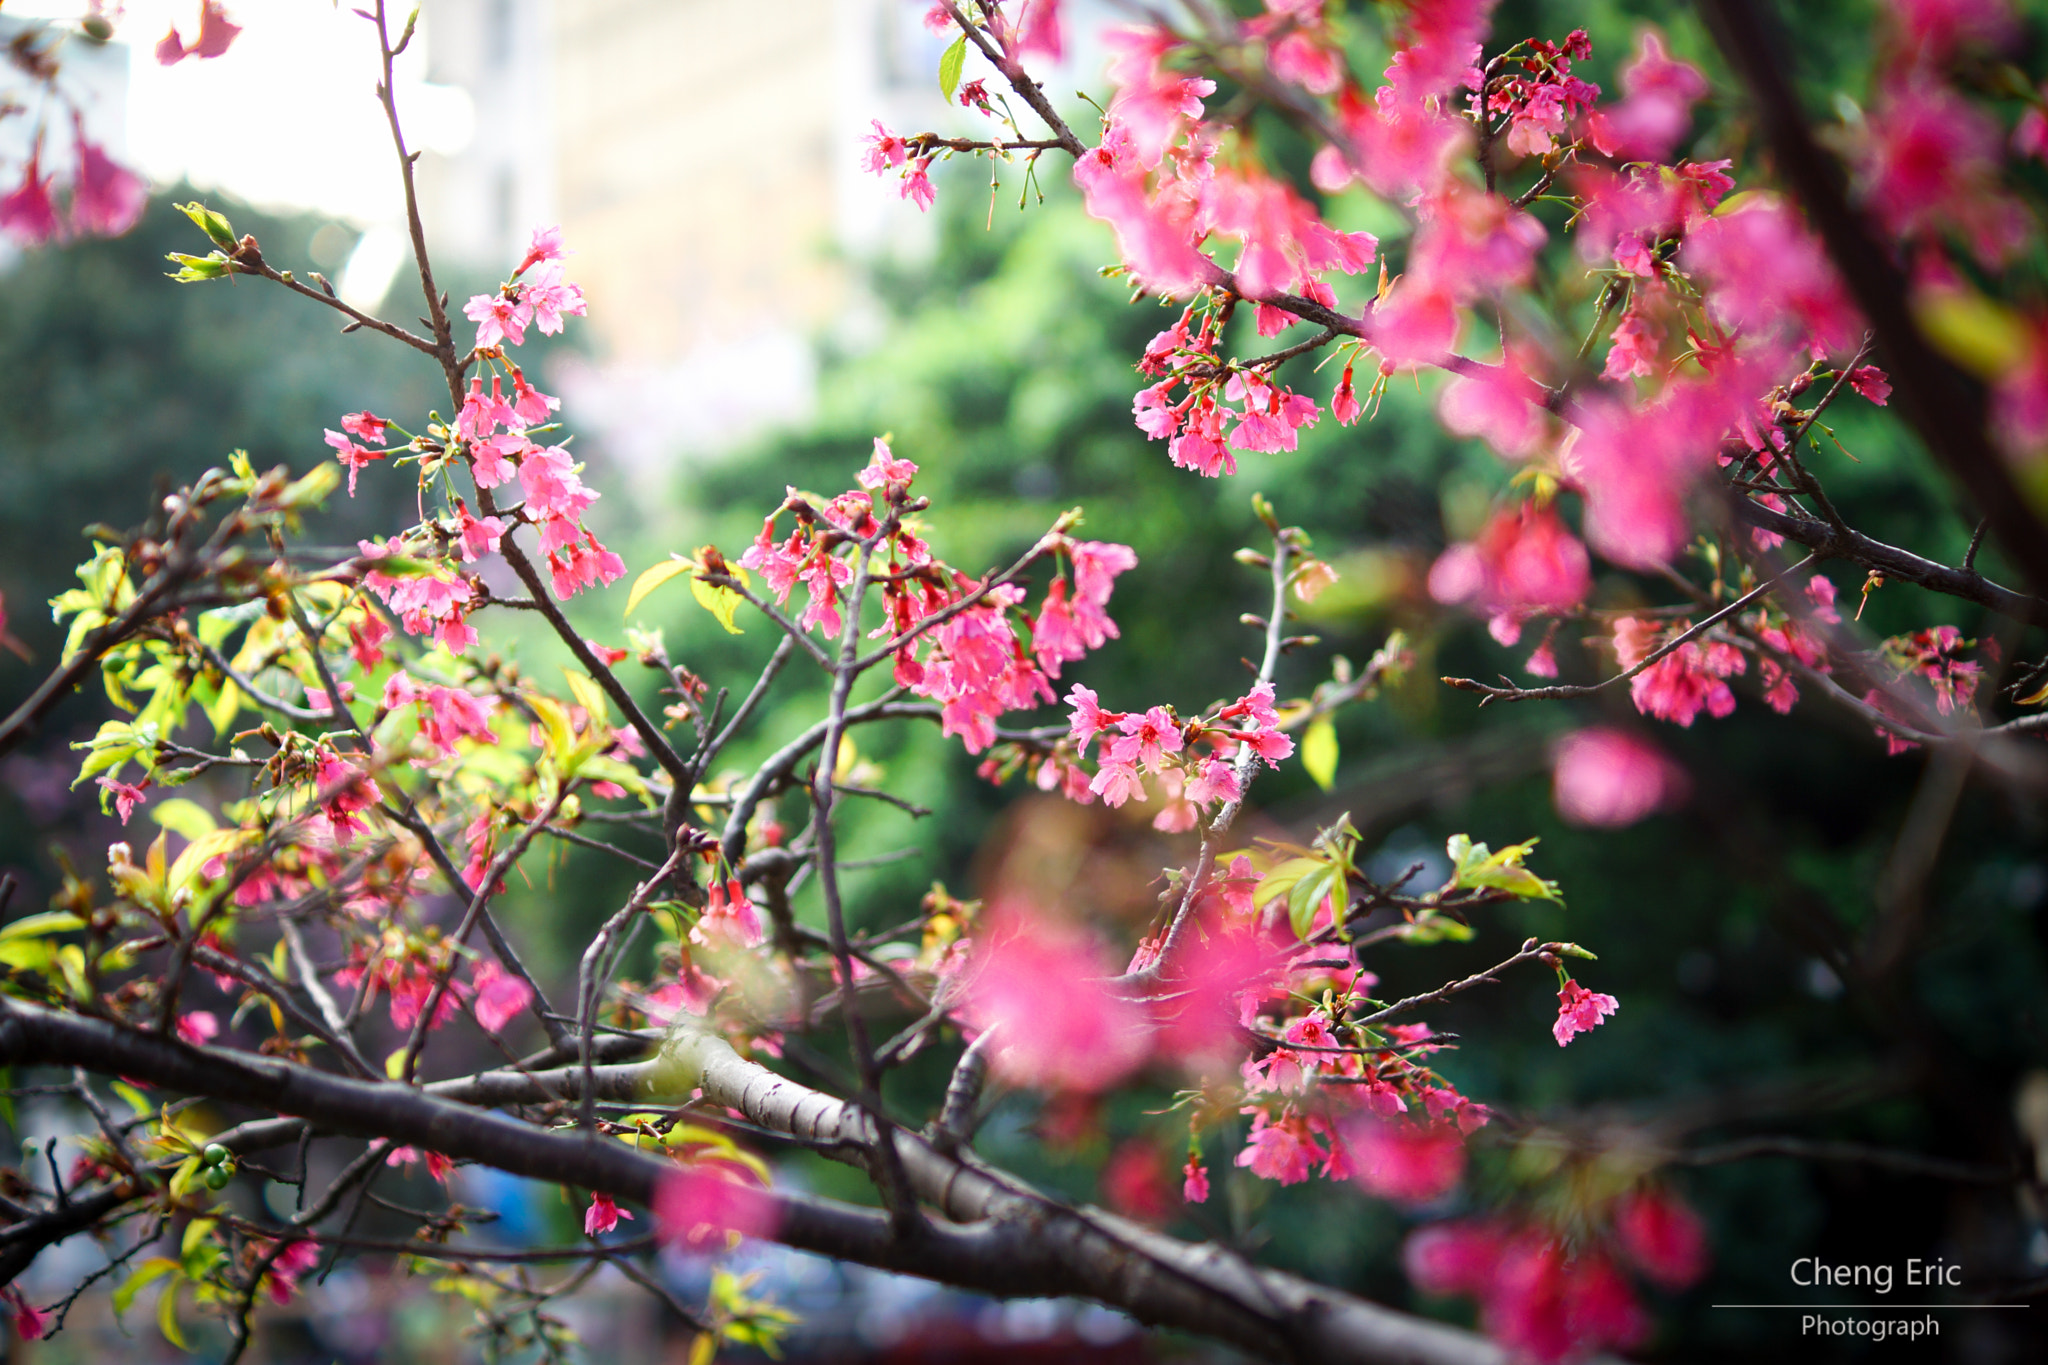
1651,343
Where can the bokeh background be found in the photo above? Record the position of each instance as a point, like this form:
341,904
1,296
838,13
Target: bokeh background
759,312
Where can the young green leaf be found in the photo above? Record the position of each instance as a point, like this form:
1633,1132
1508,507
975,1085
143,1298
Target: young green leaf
949,67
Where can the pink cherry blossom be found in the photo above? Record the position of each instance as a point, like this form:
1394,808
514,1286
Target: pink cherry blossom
289,1266
352,456
27,213
1933,29
603,1215
106,198
917,184
545,245
695,1205
198,1027
497,318
499,998
1655,111
1037,982
1117,783
126,796
1608,779
1523,561
1662,1237
1283,1151
885,150
729,919
549,299
217,33
1405,1161
1684,682
883,469
1579,1011
1195,1184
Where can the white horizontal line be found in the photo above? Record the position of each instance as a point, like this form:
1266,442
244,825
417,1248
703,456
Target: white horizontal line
1861,1307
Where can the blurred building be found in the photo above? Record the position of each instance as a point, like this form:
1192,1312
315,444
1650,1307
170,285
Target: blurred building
703,159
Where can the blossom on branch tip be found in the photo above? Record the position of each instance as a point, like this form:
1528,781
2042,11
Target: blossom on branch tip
1579,1011
885,150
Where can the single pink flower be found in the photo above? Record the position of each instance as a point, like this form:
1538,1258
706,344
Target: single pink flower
1579,1011
27,214
1195,1183
198,1027
1283,1151
499,996
1662,1237
106,198
602,1216
126,796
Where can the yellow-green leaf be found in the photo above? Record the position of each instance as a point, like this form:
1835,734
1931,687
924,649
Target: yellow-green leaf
1983,337
1319,752
188,818
950,63
146,1274
654,578
720,602
48,922
167,1317
588,695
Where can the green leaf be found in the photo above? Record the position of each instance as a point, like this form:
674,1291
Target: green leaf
48,922
146,1274
181,816
311,489
949,67
1307,897
721,602
209,222
1479,867
1319,752
167,1317
1282,878
654,578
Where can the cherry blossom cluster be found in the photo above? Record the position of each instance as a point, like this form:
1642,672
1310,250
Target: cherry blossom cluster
1195,761
1548,1300
959,642
1201,431
493,433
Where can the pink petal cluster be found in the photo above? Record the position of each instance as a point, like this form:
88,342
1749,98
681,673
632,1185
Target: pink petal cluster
1038,983
1684,682
217,34
537,295
1524,562
1536,1296
729,920
695,1205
